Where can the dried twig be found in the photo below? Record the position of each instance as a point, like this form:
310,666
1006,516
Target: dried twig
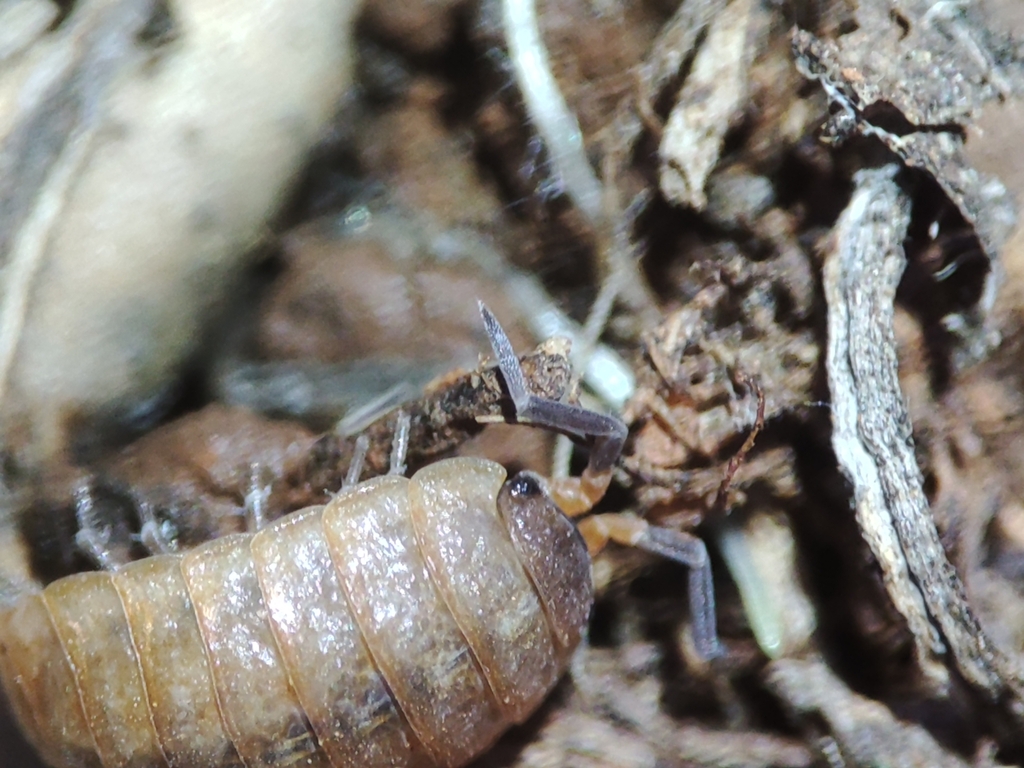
452,410
556,125
722,497
866,731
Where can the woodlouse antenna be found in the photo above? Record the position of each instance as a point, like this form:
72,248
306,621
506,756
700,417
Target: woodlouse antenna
631,531
575,495
607,432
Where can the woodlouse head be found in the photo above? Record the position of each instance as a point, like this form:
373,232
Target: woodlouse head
553,553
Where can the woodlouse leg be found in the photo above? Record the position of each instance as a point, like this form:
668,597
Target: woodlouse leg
157,536
93,543
575,495
256,504
355,467
256,498
400,443
680,547
96,536
399,451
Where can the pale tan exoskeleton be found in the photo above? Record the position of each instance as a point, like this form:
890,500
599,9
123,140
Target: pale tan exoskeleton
407,622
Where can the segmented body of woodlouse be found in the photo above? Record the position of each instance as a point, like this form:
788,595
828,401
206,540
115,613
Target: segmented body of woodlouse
407,622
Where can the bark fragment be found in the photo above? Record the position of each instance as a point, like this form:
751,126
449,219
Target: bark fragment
873,442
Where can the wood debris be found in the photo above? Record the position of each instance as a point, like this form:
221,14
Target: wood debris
872,438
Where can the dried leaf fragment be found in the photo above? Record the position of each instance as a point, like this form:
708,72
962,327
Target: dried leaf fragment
674,45
709,100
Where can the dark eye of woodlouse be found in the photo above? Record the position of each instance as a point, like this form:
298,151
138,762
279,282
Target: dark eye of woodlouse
525,484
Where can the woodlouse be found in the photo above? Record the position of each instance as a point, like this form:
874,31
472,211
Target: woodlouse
407,622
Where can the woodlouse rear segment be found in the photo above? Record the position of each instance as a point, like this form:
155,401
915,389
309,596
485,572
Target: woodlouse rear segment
408,622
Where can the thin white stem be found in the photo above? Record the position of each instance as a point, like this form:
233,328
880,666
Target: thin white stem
555,124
